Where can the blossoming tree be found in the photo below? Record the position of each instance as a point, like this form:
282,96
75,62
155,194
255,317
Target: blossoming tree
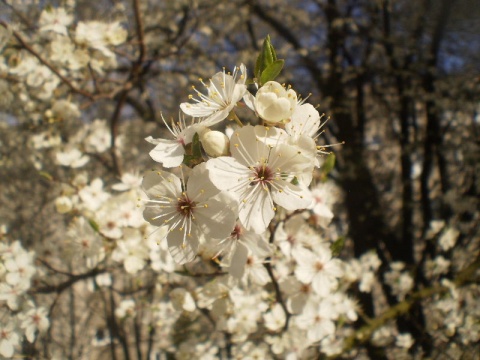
206,227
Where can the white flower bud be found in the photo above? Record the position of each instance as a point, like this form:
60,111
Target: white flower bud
215,143
182,300
274,103
63,204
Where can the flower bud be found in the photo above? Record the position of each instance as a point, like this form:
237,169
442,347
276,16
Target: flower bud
63,204
182,300
274,103
215,143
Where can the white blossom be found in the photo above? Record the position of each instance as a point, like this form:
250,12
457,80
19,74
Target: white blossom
190,210
223,92
260,176
274,103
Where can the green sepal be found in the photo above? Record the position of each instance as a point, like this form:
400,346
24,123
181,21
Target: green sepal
191,160
196,146
272,71
328,165
46,175
193,154
94,225
337,246
266,57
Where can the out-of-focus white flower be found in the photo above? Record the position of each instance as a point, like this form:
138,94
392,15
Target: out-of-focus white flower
297,294
323,199
160,258
35,319
19,268
55,19
234,250
93,195
437,266
131,251
9,338
182,300
128,181
318,269
73,158
85,242
316,319
98,35
295,232
382,336
223,92
275,318
99,137
45,140
448,238
125,309
63,204
65,109
254,271
400,281
12,293
404,341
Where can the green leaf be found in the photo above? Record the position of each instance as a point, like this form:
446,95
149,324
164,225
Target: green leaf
94,225
196,146
193,154
191,160
46,175
266,57
271,71
328,165
337,246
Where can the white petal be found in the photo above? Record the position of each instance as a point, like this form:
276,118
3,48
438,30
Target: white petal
257,211
227,173
183,248
197,110
218,218
158,184
305,120
239,260
199,186
323,284
168,152
292,197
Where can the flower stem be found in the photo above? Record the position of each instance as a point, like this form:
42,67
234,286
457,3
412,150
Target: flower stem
233,116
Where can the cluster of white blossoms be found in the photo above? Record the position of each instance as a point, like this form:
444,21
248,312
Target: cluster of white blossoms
247,196
21,317
239,180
